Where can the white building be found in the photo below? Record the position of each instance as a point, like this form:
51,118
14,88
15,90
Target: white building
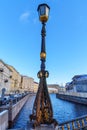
61,89
78,84
5,76
53,88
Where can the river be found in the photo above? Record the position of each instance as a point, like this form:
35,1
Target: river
63,111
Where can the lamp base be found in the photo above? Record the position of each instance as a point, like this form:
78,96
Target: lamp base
53,126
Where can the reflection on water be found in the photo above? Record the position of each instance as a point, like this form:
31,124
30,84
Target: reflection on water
63,111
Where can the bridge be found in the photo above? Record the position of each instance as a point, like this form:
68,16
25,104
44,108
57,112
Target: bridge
75,124
79,123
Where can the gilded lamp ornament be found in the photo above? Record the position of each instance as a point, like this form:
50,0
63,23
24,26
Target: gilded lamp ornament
43,55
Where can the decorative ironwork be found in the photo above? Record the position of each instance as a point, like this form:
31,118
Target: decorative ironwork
79,123
42,112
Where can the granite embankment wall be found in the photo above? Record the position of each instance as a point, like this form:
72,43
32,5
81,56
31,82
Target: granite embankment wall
9,113
15,109
73,97
4,120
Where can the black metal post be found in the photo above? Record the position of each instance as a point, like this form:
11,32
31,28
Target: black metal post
43,51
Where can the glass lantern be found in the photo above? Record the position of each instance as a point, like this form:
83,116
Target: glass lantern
43,11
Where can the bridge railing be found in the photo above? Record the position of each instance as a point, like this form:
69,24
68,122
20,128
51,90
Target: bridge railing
74,124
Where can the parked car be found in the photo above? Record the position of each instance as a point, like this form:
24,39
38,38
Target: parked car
5,100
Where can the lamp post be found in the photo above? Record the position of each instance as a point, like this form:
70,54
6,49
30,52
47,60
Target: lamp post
42,112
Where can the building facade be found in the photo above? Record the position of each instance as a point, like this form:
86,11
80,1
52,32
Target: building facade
12,81
27,83
53,88
35,87
61,89
5,77
15,80
78,84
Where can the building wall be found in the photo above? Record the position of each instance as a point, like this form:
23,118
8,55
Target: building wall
31,84
78,84
4,120
35,87
27,83
5,81
16,108
11,79
53,88
15,80
61,89
80,88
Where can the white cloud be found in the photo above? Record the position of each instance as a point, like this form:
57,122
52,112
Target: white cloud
25,17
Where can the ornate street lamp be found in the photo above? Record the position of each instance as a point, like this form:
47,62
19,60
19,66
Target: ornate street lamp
42,112
43,10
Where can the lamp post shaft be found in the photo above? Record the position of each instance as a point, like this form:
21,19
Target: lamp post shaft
43,34
43,49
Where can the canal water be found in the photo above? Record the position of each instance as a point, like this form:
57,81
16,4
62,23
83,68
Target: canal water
63,111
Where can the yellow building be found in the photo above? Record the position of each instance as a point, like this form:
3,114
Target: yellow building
27,83
35,87
15,80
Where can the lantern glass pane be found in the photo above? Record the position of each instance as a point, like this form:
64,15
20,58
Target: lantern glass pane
47,11
42,10
39,12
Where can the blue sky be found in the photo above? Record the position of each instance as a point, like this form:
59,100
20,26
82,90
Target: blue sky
66,40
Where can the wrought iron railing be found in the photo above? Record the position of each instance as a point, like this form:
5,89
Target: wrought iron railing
79,123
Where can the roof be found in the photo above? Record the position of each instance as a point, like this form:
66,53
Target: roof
5,64
52,89
80,77
27,77
36,82
12,68
53,86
